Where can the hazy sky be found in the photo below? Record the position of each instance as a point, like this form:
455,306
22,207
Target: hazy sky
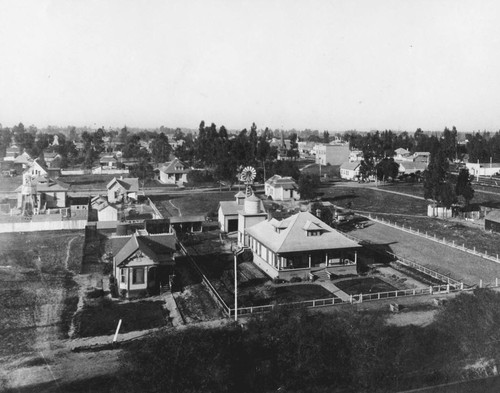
336,65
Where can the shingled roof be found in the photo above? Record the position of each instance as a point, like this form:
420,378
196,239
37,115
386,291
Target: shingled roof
290,235
158,248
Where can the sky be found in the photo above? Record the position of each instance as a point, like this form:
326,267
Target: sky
306,64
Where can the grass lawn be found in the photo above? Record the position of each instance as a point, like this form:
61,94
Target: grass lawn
364,285
369,200
195,203
444,259
300,292
100,317
87,182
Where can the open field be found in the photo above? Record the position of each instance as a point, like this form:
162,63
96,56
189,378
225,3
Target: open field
192,204
38,294
458,264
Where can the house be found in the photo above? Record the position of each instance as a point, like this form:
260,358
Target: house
332,154
401,154
37,169
122,189
24,160
142,263
356,155
228,212
38,193
350,170
421,156
174,172
281,188
492,221
52,159
300,245
108,161
105,210
409,167
12,152
483,169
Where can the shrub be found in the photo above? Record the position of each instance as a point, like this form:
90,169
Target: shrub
123,293
95,293
295,279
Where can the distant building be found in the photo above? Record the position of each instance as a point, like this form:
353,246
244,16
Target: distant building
483,169
401,154
356,155
281,188
108,161
410,167
122,189
41,193
174,172
331,154
12,152
299,245
350,170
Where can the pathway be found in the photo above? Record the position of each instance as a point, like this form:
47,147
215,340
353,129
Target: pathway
331,287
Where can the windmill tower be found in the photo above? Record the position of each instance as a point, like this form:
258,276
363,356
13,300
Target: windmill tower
247,176
28,196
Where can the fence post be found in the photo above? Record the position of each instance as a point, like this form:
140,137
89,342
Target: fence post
448,288
480,283
430,289
413,291
462,286
350,299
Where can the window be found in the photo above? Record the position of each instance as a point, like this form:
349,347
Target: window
138,276
122,275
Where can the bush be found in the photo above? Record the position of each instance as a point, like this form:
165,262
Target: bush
295,279
123,293
95,293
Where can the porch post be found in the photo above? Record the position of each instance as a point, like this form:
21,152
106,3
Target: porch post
355,257
326,259
309,261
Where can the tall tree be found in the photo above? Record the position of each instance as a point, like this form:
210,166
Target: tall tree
160,151
463,188
437,184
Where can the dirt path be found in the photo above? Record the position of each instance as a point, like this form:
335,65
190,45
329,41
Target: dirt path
175,207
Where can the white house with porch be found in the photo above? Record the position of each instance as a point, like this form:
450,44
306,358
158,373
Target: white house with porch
300,245
174,172
140,261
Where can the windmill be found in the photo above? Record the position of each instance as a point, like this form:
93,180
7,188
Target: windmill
247,176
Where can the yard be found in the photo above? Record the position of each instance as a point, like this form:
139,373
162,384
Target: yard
38,295
444,259
195,203
365,285
100,316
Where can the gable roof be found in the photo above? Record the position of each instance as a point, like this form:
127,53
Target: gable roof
401,151
158,248
285,182
352,166
292,236
229,208
172,167
493,215
412,166
130,184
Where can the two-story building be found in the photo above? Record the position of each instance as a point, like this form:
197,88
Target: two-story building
281,188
